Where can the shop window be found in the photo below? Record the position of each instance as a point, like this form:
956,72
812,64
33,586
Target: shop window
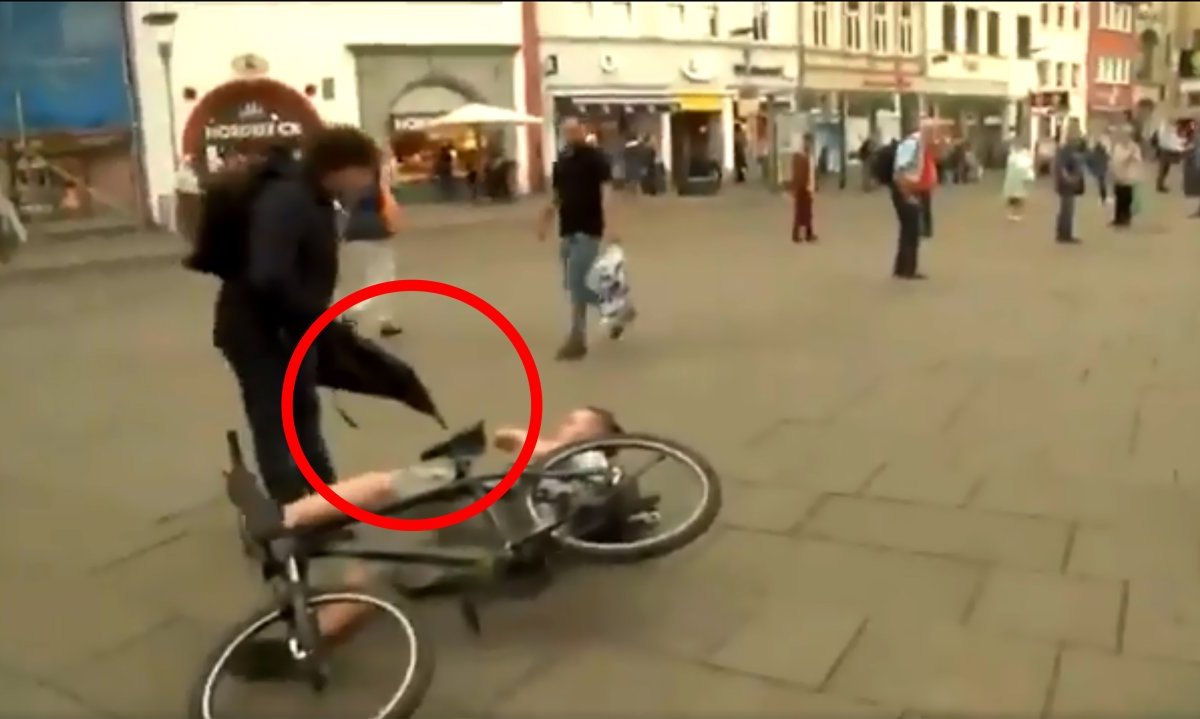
853,26
949,27
993,34
971,16
1024,37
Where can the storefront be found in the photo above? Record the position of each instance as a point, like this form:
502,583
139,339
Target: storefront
692,103
1109,106
237,81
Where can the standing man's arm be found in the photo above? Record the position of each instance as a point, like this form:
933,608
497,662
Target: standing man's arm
609,200
546,218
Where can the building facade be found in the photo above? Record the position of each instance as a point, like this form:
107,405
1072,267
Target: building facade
67,143
1187,61
1113,51
862,70
982,72
387,67
1062,32
699,81
1155,69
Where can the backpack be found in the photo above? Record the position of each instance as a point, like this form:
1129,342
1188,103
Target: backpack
883,164
222,239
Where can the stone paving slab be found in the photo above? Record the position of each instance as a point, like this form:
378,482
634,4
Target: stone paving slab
1010,540
942,667
1052,607
1092,683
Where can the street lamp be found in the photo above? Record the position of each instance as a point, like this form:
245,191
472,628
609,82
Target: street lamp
162,24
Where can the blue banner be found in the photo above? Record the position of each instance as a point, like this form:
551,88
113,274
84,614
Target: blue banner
62,67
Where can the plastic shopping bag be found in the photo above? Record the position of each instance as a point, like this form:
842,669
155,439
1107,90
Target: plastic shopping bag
608,280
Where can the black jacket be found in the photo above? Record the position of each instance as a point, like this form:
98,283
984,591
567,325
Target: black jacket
291,269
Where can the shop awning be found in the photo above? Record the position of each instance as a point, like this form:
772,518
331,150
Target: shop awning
701,103
612,104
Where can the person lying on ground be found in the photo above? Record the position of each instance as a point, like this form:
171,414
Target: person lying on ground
271,659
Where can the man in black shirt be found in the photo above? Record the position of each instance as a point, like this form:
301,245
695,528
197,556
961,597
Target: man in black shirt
582,189
288,280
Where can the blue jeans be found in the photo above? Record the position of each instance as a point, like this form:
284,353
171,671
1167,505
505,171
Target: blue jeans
578,252
1065,227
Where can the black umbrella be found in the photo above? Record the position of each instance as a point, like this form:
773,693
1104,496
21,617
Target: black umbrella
347,361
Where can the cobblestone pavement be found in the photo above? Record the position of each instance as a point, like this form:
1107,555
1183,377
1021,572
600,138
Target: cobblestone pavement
971,497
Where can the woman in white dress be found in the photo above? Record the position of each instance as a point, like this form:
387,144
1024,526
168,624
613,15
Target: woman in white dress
1018,175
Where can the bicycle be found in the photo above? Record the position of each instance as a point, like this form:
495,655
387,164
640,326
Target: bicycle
564,522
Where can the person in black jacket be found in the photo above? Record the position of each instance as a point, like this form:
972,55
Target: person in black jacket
288,280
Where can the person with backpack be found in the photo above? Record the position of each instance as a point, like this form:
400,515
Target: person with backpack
270,233
912,180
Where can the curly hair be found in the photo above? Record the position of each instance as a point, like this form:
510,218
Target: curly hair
338,147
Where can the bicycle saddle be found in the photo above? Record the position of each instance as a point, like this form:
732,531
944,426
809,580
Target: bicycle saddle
464,445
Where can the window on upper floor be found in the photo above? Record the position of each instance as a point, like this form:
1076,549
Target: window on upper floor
1024,37
1062,15
625,10
881,28
1077,16
949,27
820,24
1195,40
853,33
1060,74
1045,13
993,33
905,29
714,20
677,12
971,18
1043,73
1074,75
761,26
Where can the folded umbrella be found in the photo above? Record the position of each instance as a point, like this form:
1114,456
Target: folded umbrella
349,362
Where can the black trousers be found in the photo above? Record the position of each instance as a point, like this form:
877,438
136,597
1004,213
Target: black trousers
260,379
908,245
1122,205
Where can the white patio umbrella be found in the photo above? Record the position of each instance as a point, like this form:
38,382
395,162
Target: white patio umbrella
476,115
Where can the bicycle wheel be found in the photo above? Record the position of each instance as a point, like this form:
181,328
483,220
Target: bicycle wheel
411,680
644,545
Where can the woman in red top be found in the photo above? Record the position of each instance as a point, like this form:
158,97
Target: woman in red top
803,185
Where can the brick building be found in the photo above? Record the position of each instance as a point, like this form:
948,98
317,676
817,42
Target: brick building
1113,51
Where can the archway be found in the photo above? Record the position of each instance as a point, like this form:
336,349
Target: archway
245,116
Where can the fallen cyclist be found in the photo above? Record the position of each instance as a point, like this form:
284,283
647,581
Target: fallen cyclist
271,659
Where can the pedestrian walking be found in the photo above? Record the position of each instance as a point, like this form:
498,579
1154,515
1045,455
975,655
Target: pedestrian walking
1068,184
1126,173
270,234
1098,161
582,183
804,182
1018,174
911,178
369,256
1170,150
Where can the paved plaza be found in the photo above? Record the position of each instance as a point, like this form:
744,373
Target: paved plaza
976,496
